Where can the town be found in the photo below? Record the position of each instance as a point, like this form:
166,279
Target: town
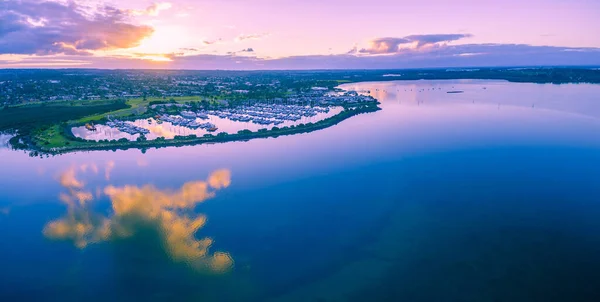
30,85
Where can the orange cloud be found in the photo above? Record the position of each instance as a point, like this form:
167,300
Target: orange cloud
69,28
78,227
69,180
170,213
220,179
160,131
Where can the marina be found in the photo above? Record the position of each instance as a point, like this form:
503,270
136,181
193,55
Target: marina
251,117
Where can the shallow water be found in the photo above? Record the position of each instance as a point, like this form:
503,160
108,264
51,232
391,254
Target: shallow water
487,195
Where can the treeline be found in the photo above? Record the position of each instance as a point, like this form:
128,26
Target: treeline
25,119
556,75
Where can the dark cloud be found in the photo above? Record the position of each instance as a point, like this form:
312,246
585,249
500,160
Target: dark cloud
44,27
233,53
390,45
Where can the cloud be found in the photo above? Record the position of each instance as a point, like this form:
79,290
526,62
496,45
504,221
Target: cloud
159,130
440,56
211,42
391,45
244,37
43,61
68,179
220,179
152,10
45,28
143,210
78,226
424,40
246,50
385,45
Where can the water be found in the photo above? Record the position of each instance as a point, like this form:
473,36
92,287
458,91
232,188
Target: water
487,195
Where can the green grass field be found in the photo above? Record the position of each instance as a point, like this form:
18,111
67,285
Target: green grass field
136,106
51,137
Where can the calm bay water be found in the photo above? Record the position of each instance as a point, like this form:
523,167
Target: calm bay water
487,195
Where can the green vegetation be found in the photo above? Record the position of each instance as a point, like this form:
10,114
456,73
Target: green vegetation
52,137
137,106
27,118
48,124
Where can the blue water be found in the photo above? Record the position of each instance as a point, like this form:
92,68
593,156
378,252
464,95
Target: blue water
487,195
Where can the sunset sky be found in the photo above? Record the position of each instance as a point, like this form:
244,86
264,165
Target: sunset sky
287,34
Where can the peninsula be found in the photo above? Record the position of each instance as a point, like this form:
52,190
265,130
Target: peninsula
58,111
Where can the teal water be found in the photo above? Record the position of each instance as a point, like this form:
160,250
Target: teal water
488,195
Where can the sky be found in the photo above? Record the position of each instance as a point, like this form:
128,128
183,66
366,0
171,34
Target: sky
291,34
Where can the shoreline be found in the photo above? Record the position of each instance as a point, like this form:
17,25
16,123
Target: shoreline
194,140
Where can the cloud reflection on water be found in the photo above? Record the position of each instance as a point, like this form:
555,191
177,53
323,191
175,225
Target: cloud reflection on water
161,131
139,209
